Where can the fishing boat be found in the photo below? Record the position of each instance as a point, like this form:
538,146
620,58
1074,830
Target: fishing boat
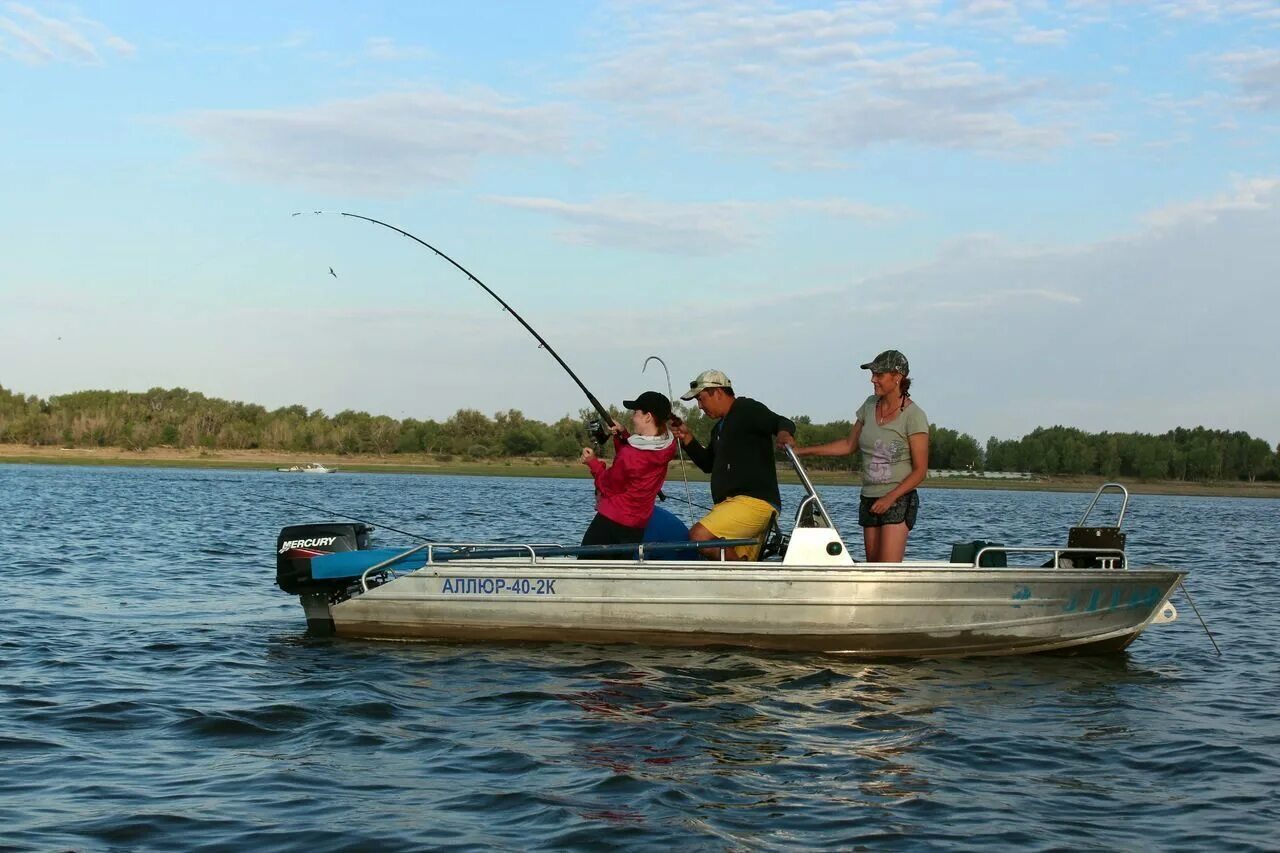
309,468
805,593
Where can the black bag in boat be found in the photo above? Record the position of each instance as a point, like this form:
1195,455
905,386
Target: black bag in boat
967,552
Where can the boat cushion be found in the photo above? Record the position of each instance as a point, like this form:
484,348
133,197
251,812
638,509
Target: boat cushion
967,552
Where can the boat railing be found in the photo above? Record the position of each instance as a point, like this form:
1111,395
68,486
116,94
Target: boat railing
496,550
430,548
364,576
812,504
1109,558
1124,503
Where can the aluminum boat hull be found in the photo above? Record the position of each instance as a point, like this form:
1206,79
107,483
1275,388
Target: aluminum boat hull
914,609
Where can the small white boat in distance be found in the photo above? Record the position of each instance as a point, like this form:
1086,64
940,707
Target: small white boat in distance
809,595
309,468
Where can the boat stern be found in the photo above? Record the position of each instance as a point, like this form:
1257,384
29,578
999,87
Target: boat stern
297,546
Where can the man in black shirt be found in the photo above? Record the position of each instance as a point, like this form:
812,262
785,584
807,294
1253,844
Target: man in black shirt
739,458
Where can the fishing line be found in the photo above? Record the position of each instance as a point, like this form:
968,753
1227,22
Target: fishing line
1203,624
377,524
679,449
542,343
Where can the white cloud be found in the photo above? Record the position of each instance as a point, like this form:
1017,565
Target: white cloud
1098,11
841,207
1218,10
30,37
1254,194
629,223
1000,298
1004,337
1256,74
386,144
987,9
120,46
1032,35
863,119
761,75
383,49
690,228
23,45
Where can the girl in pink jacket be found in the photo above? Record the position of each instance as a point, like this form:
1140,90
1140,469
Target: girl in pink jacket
626,490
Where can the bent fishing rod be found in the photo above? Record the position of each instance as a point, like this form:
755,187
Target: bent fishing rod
679,448
542,343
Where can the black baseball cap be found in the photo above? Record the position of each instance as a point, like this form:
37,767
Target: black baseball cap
652,402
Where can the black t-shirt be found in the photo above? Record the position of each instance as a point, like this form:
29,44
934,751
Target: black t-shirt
739,456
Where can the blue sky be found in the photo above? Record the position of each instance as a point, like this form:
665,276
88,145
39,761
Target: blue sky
1062,212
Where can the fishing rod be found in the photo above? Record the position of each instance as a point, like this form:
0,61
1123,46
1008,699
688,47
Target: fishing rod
542,343
1203,624
418,536
679,449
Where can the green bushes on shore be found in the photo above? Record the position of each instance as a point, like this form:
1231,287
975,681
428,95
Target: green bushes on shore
187,419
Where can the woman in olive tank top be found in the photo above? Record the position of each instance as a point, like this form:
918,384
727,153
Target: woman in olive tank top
891,434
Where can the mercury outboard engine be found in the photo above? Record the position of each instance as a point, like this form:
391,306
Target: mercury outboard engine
296,546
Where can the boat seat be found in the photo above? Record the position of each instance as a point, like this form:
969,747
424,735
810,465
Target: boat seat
967,552
1085,538
773,542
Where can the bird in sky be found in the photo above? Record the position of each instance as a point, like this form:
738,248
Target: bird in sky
332,273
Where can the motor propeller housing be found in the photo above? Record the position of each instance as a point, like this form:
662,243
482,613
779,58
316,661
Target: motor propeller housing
297,544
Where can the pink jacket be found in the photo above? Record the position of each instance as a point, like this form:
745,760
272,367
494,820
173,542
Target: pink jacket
628,487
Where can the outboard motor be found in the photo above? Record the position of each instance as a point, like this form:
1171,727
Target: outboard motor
296,546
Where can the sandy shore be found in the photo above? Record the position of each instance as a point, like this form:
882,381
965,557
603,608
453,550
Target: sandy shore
423,463
161,457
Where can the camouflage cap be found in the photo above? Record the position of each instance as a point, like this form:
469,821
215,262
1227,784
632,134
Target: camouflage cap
704,380
889,361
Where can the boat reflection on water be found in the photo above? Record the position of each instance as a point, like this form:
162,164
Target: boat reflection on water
751,728
775,715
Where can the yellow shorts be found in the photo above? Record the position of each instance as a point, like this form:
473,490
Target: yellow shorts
740,517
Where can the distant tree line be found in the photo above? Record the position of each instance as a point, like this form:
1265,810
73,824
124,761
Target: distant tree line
187,419
1197,454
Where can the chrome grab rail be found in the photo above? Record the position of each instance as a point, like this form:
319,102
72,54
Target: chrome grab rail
1112,554
813,493
364,576
533,555
431,547
1124,503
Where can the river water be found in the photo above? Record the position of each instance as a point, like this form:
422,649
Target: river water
157,691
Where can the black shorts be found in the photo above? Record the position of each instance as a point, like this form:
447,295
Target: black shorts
903,511
606,531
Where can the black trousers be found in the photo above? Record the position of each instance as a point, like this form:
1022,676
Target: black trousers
606,531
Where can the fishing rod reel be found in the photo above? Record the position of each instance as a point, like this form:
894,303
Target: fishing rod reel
597,430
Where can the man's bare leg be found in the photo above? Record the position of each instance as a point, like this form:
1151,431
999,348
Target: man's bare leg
702,534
